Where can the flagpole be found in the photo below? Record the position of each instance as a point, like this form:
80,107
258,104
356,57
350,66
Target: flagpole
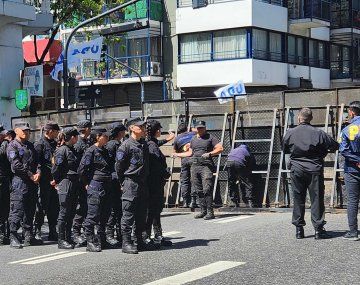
67,44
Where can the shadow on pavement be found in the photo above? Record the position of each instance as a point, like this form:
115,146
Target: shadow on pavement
174,214
190,243
217,216
333,234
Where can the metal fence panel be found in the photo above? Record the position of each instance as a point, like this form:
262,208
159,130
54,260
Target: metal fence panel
68,118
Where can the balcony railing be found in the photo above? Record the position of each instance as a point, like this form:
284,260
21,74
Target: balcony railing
345,19
94,70
345,69
189,3
309,9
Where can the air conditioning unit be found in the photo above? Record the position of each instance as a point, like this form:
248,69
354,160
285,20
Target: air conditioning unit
155,68
196,4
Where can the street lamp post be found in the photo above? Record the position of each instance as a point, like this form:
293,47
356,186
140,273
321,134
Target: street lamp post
67,44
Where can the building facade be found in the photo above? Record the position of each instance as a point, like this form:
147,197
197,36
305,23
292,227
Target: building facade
18,18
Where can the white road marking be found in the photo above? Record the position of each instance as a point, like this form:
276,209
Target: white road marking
197,273
37,257
51,258
166,234
229,220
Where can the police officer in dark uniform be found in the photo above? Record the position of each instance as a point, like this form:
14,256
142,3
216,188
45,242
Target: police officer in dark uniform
117,133
240,164
182,144
48,203
132,167
308,147
350,149
84,128
159,173
5,178
24,165
202,147
95,170
66,181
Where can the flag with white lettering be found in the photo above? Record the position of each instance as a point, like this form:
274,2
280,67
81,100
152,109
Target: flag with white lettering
230,90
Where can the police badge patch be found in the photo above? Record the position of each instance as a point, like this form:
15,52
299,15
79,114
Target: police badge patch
12,154
119,155
59,160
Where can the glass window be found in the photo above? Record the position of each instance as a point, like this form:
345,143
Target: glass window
137,49
300,51
195,47
230,44
313,53
259,41
275,46
291,49
322,53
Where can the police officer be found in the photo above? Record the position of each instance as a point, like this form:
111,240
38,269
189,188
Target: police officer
66,181
95,171
202,147
350,149
240,164
182,144
24,165
117,133
5,178
308,147
48,203
132,167
159,173
84,128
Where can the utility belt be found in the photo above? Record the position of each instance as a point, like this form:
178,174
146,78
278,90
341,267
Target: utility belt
202,161
100,178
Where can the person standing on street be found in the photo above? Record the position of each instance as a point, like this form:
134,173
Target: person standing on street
5,179
117,133
83,143
182,144
350,149
95,172
48,203
203,147
240,164
66,182
308,146
132,168
26,176
159,173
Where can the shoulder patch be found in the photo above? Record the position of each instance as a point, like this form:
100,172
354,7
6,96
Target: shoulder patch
87,160
119,155
12,154
59,160
21,151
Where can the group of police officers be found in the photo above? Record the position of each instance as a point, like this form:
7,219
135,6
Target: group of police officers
101,189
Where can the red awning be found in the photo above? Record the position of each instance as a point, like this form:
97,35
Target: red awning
50,58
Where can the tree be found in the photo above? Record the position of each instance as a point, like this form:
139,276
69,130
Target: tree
70,13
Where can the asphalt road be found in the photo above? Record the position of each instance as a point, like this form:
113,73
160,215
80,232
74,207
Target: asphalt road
258,248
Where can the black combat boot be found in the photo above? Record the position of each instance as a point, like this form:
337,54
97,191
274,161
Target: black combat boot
29,240
186,203
53,235
38,235
110,239
321,233
79,239
300,232
159,238
4,240
92,245
14,241
203,209
118,235
62,242
128,247
193,204
209,207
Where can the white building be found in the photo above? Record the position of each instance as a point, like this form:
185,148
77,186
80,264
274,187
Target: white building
18,18
267,44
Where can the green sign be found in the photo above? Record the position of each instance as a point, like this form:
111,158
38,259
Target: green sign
21,99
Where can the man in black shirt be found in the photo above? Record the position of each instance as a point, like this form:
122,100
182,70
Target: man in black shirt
202,147
308,147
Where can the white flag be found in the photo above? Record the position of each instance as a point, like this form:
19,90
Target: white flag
78,52
230,90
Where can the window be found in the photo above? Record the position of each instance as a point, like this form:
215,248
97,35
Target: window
137,49
313,53
291,49
230,44
301,51
259,41
275,46
195,47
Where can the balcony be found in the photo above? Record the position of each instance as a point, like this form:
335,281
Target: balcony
345,69
344,18
16,11
189,3
306,14
110,72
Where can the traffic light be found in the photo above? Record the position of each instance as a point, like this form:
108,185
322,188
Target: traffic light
72,90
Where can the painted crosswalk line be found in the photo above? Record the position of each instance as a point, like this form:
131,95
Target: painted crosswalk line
230,219
167,234
47,257
197,273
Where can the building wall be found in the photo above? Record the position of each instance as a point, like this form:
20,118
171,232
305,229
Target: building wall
11,62
319,77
